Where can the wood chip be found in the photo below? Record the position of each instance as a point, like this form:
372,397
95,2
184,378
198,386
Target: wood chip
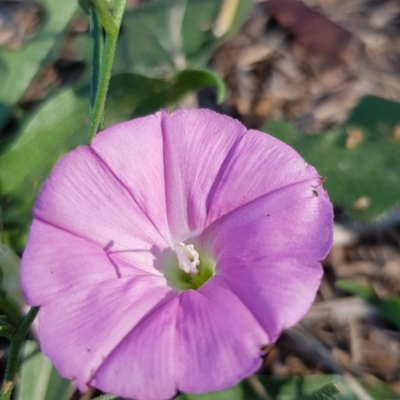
354,137
362,203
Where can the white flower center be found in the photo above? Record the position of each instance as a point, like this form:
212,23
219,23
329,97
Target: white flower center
188,258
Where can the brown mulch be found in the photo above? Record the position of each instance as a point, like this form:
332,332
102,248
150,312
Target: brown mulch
343,334
311,64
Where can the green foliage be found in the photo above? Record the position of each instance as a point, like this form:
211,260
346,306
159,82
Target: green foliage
18,67
330,391
389,308
133,95
160,38
381,391
11,298
38,378
313,387
361,159
59,125
6,395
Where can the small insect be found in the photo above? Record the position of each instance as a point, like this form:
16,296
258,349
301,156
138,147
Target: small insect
19,21
321,182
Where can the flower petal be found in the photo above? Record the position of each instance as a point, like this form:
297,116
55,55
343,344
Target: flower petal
258,165
269,251
133,151
143,365
83,197
295,222
278,291
81,328
218,340
196,144
55,261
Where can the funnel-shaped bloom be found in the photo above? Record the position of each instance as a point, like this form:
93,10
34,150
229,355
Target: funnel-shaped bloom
169,251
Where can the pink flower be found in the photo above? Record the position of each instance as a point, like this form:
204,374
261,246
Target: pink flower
166,254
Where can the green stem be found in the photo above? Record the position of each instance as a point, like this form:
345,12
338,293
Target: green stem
103,11
15,349
97,111
96,33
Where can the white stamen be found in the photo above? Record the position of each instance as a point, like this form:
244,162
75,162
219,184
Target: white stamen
188,258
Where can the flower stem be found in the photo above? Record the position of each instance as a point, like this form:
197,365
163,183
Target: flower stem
15,349
96,34
107,60
103,12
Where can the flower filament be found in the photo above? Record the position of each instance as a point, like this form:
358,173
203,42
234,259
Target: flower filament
186,268
188,258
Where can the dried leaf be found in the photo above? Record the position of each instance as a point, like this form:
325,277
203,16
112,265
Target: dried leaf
310,28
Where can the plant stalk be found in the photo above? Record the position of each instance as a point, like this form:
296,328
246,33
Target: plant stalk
97,110
15,350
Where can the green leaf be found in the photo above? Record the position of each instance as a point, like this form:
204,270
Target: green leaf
107,397
60,125
160,38
7,394
18,67
9,264
361,159
146,95
381,391
11,298
296,388
38,378
389,308
1,227
364,291
6,329
330,391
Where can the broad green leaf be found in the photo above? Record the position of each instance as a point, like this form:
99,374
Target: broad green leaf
60,125
389,308
11,298
296,388
239,392
361,159
330,391
381,391
147,95
160,38
38,378
304,387
18,67
107,397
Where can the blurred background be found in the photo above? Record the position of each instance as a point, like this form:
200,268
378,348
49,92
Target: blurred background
321,75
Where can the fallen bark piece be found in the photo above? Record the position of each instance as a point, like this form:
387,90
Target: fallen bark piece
311,28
